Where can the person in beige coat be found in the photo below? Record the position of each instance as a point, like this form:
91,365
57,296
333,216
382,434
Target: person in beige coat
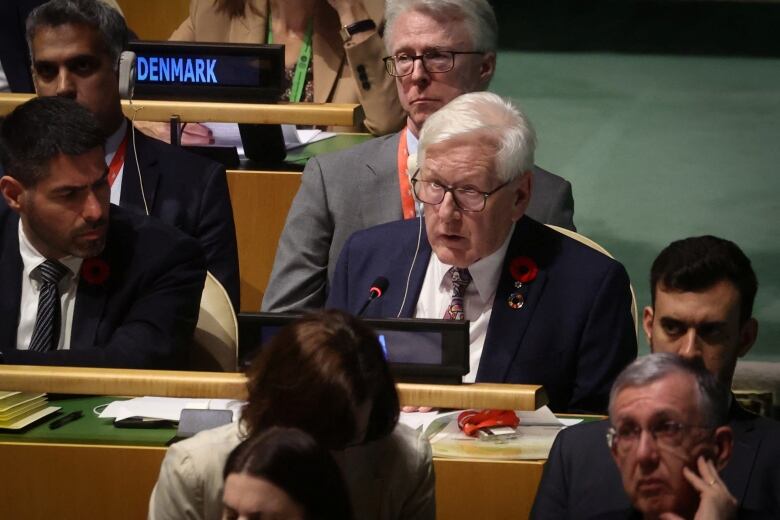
326,375
347,51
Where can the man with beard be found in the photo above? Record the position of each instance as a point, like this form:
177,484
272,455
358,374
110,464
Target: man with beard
83,282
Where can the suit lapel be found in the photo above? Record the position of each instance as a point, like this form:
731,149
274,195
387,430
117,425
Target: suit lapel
132,197
400,271
508,325
380,175
11,268
327,52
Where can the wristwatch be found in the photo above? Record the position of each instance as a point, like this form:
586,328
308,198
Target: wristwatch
348,31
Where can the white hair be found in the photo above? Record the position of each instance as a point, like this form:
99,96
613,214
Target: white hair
478,16
485,114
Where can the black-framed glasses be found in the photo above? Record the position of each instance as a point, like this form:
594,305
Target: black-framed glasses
434,62
668,434
466,199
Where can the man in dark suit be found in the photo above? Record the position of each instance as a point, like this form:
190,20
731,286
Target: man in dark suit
669,438
544,308
75,47
703,290
83,282
367,185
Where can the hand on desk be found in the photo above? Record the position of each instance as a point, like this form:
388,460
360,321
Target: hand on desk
193,134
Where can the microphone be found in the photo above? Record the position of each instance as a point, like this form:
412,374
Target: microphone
378,287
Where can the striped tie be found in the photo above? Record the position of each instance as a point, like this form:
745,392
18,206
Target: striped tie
460,280
46,335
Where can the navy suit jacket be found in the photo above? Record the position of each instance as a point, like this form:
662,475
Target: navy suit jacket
581,480
142,316
14,53
573,335
190,193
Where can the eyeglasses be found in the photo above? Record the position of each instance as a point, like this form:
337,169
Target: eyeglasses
466,199
668,434
433,62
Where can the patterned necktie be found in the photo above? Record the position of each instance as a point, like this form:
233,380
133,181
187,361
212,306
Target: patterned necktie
460,280
46,335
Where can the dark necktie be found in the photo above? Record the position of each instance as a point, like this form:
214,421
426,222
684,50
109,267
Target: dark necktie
460,280
46,335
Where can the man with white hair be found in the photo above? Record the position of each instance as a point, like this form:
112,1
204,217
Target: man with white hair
439,49
544,309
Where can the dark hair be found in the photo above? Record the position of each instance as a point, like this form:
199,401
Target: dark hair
698,263
106,20
234,8
293,461
713,398
314,373
41,129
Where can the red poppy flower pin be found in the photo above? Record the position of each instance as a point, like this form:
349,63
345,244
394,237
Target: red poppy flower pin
95,271
524,270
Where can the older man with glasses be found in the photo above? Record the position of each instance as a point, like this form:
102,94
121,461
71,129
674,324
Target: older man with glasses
669,438
543,308
438,50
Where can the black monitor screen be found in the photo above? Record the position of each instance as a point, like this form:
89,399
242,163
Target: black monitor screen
417,350
208,72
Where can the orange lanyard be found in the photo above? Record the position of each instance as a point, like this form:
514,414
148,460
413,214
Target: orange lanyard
407,199
117,161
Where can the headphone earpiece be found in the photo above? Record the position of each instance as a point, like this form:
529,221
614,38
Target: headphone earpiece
126,74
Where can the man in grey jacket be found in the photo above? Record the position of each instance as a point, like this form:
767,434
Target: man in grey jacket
439,49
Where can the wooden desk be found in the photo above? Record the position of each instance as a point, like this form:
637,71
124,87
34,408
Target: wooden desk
317,114
111,473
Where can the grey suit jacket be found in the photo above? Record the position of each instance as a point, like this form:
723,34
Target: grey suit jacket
354,189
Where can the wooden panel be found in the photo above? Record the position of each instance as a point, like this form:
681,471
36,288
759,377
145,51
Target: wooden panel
154,19
475,489
87,481
260,204
175,383
318,114
71,481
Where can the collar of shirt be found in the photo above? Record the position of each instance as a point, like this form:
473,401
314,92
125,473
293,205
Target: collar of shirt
31,259
411,142
485,272
114,140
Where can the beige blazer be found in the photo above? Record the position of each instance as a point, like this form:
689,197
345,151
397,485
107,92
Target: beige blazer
388,479
337,67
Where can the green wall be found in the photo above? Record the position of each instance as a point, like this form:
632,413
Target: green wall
660,148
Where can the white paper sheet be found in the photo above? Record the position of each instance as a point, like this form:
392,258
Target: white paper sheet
168,408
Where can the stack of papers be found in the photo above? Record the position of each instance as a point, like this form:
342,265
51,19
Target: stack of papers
167,408
20,409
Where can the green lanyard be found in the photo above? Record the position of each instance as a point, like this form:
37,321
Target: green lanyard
301,66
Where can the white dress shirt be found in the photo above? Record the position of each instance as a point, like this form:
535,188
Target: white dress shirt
112,145
31,288
436,294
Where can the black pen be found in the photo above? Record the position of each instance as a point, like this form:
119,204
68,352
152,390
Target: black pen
65,419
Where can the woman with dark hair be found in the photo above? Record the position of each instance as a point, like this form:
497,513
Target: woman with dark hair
283,473
326,375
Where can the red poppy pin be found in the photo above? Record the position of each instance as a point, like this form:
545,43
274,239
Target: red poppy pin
95,271
524,270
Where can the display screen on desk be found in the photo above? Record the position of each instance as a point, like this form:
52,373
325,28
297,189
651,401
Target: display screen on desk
417,350
208,72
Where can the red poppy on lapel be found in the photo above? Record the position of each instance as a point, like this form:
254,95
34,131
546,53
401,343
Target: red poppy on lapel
95,271
523,269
